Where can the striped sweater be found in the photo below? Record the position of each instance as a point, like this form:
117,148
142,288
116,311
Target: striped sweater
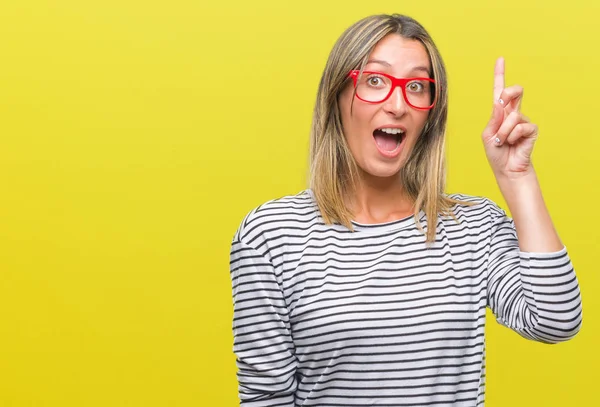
324,316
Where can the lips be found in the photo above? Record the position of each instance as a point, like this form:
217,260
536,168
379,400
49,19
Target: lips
387,141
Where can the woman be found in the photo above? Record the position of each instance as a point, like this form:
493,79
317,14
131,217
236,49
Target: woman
370,288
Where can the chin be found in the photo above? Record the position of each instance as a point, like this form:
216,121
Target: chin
382,170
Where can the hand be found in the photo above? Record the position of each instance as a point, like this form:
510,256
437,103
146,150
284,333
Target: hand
509,136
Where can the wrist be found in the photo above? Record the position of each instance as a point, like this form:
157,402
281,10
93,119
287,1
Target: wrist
513,185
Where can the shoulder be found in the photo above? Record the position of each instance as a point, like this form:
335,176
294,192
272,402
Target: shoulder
277,214
470,206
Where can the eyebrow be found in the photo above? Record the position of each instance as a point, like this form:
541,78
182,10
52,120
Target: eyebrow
385,63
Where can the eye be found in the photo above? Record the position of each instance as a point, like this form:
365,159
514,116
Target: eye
415,86
375,81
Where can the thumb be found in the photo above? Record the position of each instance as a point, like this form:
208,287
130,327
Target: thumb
494,124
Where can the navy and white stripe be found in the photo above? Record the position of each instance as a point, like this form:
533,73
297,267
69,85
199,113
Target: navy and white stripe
328,317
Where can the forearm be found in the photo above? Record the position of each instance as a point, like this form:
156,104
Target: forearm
262,341
535,230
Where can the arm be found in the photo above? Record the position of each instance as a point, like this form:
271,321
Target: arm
262,340
532,286
534,294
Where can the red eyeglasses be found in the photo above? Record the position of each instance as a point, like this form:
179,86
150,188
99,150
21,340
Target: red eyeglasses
376,87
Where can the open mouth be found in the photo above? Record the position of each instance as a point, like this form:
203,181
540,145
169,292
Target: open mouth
388,139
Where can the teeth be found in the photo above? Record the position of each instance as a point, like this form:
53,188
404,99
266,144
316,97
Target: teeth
392,131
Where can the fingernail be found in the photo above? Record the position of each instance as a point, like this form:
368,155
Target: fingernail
501,101
497,140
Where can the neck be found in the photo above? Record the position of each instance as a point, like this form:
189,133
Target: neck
380,200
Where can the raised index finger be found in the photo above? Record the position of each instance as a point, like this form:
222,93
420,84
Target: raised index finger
498,78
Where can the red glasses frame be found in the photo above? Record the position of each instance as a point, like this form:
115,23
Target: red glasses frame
354,74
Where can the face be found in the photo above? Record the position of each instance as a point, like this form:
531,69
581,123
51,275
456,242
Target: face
383,153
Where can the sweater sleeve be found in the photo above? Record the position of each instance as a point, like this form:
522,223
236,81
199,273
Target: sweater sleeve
535,294
263,345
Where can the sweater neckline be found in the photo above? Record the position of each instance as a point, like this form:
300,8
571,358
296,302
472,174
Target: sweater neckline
376,228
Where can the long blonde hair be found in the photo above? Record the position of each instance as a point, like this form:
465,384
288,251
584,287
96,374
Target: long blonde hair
334,172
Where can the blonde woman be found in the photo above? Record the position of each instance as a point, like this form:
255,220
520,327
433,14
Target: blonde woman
371,287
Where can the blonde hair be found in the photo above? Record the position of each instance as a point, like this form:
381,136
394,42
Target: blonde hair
334,172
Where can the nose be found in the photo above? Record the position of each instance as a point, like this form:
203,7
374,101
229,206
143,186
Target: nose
395,104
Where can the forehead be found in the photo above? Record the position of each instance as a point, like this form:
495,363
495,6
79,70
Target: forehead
399,53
